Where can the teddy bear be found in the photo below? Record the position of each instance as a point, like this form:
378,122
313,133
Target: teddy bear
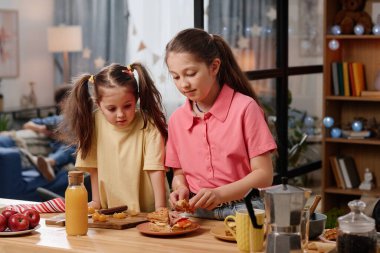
351,14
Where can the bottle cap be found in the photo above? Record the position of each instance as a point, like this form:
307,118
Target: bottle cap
76,177
75,173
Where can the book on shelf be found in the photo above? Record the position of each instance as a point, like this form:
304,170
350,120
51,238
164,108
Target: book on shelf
370,93
340,79
349,172
335,82
337,172
346,79
356,134
359,77
352,80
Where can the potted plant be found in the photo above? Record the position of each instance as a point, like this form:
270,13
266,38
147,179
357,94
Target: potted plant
4,121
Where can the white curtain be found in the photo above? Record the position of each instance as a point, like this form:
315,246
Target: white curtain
151,25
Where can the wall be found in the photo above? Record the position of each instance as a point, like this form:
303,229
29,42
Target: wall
36,63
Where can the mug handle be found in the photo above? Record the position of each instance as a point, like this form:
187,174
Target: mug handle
226,220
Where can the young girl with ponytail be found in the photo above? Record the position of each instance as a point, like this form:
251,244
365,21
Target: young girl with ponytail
116,120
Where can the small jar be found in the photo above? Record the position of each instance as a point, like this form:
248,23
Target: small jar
356,231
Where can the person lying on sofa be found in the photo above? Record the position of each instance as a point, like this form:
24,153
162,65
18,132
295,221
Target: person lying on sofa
60,154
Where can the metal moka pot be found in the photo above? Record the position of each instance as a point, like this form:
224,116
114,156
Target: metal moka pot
283,209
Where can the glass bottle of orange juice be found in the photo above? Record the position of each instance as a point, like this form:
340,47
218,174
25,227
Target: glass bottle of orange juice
76,209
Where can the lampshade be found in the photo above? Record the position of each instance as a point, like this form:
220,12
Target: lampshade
65,39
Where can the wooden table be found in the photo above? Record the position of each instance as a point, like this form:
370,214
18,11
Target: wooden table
53,239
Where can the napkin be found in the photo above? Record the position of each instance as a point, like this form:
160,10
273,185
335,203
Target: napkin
56,205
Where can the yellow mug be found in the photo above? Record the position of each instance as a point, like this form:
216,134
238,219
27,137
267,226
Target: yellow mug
248,238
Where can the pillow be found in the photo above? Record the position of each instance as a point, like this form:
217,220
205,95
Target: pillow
35,143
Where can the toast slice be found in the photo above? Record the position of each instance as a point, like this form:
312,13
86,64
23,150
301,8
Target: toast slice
163,220
161,215
182,205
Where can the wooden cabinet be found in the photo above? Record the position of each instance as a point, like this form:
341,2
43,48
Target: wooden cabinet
344,109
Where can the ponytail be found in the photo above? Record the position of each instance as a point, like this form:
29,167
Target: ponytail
230,73
78,125
150,100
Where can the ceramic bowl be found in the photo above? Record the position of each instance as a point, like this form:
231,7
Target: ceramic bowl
317,225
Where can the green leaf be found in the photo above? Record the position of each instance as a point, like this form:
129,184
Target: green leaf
4,121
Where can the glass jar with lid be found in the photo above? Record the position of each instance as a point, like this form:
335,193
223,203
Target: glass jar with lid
356,231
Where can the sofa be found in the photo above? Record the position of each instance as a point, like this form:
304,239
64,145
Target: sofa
26,183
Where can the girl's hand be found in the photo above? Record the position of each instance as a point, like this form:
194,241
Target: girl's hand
94,204
206,199
181,192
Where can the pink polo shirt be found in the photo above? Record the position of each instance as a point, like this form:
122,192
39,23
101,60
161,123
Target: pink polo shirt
216,150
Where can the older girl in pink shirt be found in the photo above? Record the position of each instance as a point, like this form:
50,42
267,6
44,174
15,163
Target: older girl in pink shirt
219,144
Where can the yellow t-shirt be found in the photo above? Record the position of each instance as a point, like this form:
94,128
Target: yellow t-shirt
122,158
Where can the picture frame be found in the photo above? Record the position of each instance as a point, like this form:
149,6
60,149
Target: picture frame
9,44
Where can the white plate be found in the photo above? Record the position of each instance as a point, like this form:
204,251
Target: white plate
7,232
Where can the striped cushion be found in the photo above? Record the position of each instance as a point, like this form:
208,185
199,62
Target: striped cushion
56,205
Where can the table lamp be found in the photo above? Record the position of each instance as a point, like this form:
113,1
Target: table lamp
65,39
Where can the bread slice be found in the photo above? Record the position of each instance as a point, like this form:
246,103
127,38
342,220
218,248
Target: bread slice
182,205
160,215
163,220
159,227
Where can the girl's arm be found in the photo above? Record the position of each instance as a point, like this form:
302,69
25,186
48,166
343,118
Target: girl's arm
157,178
261,176
179,186
95,203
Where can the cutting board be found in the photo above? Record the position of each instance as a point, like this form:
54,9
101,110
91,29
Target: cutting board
111,223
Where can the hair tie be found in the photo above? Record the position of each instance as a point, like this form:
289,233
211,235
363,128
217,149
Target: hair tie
133,73
91,79
128,71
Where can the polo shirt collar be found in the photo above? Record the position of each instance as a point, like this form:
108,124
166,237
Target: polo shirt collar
219,109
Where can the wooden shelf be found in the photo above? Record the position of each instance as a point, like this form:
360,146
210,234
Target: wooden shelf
363,49
353,37
369,141
354,192
358,99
